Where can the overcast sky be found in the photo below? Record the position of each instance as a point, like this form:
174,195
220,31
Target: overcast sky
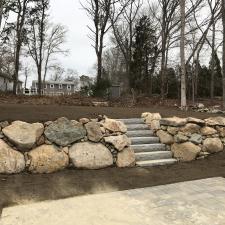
82,55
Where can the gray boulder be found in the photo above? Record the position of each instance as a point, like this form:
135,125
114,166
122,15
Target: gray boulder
64,132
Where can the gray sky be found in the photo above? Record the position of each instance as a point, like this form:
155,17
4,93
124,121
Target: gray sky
82,55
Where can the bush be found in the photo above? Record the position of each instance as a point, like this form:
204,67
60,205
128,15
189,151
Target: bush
100,89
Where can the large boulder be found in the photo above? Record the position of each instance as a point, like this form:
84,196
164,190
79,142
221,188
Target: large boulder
47,159
89,155
11,161
23,135
173,122
213,145
208,131
126,158
114,125
164,137
221,131
94,132
185,152
64,132
190,128
155,125
215,121
119,142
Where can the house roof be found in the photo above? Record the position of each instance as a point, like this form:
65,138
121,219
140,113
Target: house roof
56,82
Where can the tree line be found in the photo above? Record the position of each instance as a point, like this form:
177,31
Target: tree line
26,31
172,48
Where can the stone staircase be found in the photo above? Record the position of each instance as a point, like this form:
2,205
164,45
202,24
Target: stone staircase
147,147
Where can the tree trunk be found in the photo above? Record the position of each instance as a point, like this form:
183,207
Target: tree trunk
223,17
182,56
1,12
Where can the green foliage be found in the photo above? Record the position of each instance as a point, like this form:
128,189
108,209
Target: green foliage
100,89
144,52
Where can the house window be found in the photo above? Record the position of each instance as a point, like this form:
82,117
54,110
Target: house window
60,86
52,86
69,87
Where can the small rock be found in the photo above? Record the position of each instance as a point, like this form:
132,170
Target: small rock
180,138
4,124
126,158
94,132
165,138
213,145
41,141
196,139
208,131
119,142
84,120
172,130
190,128
114,125
185,152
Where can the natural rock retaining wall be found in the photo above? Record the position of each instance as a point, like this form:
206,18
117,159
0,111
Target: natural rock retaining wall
189,138
55,145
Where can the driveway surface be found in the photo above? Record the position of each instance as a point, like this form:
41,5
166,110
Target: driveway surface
200,202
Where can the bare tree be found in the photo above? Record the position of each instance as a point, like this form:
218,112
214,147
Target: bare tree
37,26
100,12
182,56
1,11
223,19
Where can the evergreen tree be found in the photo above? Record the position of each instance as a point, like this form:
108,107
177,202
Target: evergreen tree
143,55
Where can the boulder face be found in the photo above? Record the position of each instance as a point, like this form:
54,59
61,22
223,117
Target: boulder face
114,126
47,159
196,139
180,138
119,142
213,145
94,132
195,120
208,131
155,125
23,135
173,122
172,130
149,117
185,152
11,161
165,138
190,128
214,121
64,132
89,155
126,158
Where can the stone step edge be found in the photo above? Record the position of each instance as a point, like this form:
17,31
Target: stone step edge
158,162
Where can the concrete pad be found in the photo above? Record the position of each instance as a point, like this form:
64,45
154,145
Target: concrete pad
200,202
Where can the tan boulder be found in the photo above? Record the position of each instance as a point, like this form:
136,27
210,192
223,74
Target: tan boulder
195,120
151,117
215,121
119,142
221,131
185,152
23,135
213,145
114,125
126,158
155,125
84,120
94,132
173,121
88,155
190,128
11,161
47,159
208,131
172,130
164,137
